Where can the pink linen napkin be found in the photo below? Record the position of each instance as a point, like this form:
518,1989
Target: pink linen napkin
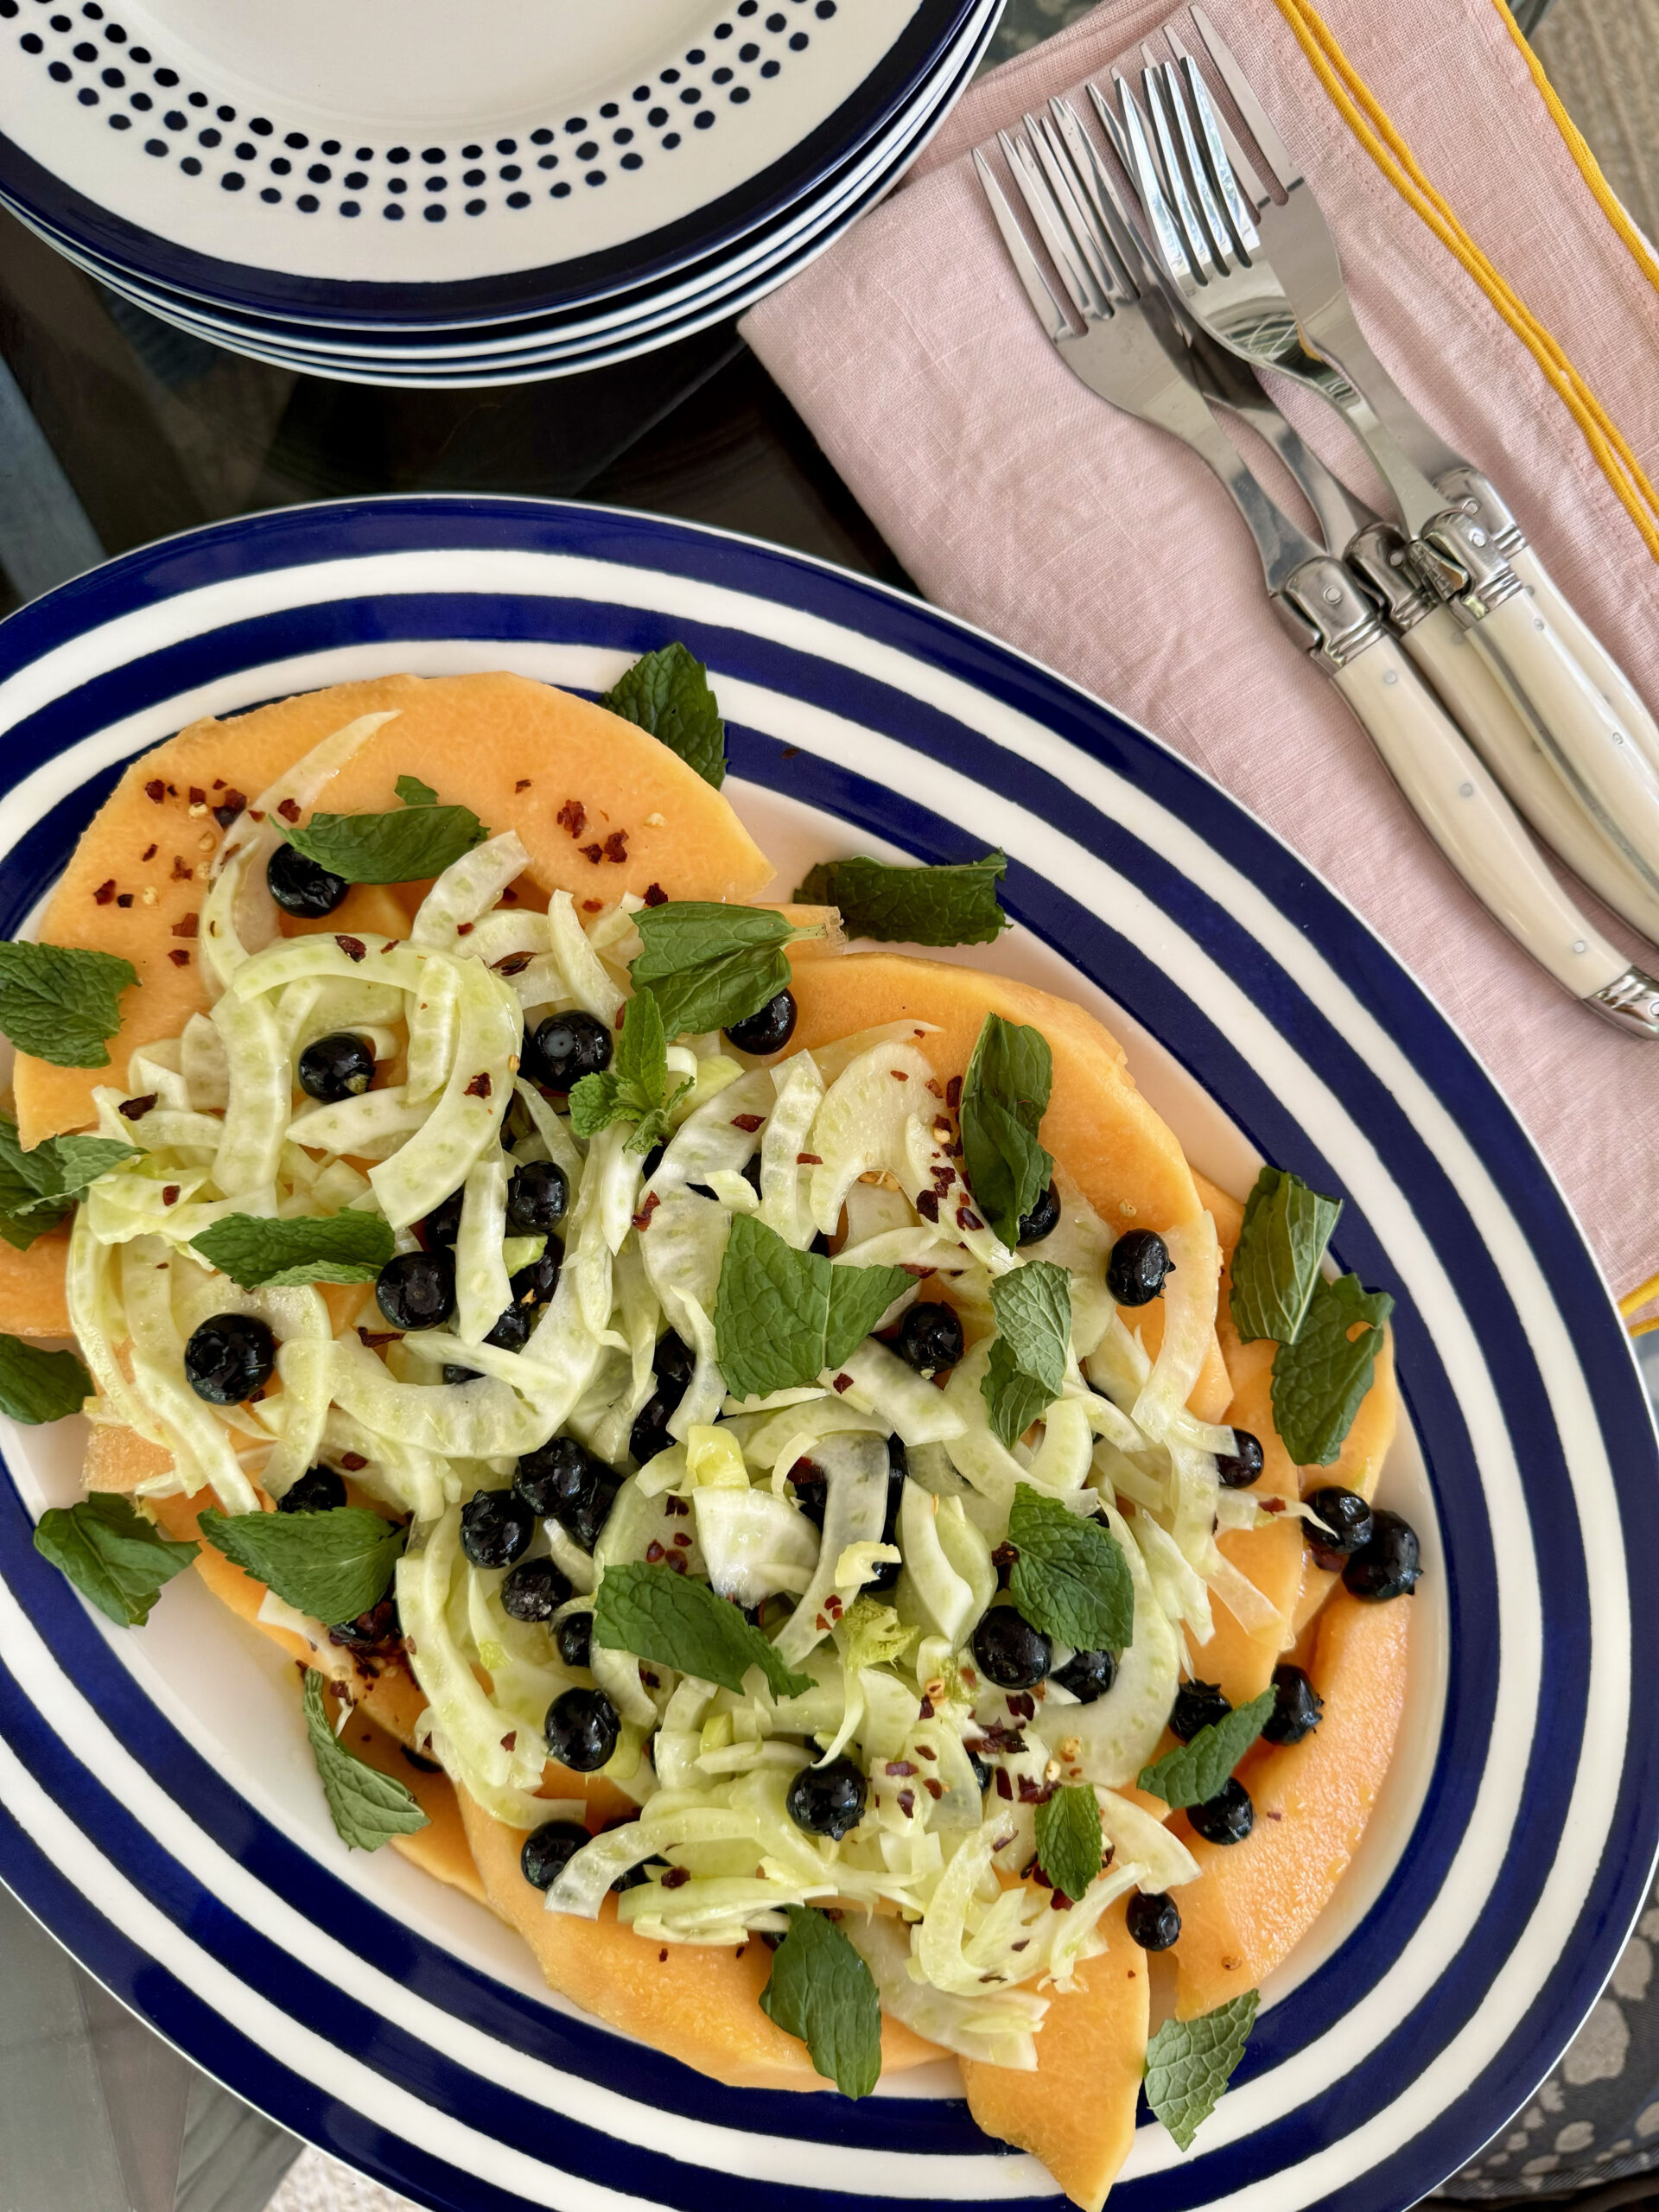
1016,499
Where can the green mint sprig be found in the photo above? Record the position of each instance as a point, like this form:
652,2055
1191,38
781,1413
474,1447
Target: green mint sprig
1194,1773
634,1088
1004,1096
1071,1579
822,1992
1068,1838
667,693
709,966
114,1557
414,792
1033,1305
656,1614
367,1808
954,903
1320,1380
38,1188
406,845
38,1386
332,1565
60,1002
1190,2063
782,1317
1285,1228
260,1253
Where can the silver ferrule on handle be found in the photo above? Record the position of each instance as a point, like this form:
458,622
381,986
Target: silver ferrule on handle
1324,609
1479,498
1630,1002
1459,561
1383,559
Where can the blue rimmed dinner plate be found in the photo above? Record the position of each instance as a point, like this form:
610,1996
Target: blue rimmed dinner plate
157,1807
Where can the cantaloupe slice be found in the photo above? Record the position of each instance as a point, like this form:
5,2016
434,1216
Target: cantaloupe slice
520,755
1077,2112
1256,1900
1098,1126
701,2005
33,1299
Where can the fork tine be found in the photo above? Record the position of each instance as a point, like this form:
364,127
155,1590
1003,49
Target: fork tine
1167,237
1033,188
1274,151
1240,187
1111,126
1143,263
1101,198
1113,281
1049,312
1203,184
1200,247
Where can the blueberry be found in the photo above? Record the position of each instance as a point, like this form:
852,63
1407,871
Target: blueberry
1239,1468
1043,1219
375,1630
534,1591
417,1290
336,1067
563,1481
981,1771
1135,1272
535,1284
653,1160
566,1047
496,1527
548,1850
930,1338
1198,1704
828,1800
510,1331
230,1357
887,1571
1387,1566
1087,1674
1297,1707
672,1362
806,1479
649,1434
454,1373
1011,1652
575,1637
301,885
319,1490
1228,1817
536,1198
1154,1920
442,1224
1350,1521
582,1730
768,1029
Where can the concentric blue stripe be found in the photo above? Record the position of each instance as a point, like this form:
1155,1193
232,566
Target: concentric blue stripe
1471,1718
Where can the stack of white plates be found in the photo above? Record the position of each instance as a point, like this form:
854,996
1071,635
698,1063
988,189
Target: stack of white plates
409,192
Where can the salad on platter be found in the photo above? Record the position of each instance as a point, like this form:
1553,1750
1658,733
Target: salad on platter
779,1479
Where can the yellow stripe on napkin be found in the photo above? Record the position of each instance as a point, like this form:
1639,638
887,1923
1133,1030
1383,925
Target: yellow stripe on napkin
1370,123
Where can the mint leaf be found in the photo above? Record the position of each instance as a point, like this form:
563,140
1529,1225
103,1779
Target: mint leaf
1190,2063
112,1554
1069,1839
1004,1098
58,1003
1071,1579
367,1808
781,1317
259,1253
1026,1373
952,904
822,1992
596,1103
1194,1773
636,1088
641,1063
667,693
39,1386
332,1565
655,1614
708,966
405,846
1319,1381
37,1188
1015,1399
1287,1227
414,792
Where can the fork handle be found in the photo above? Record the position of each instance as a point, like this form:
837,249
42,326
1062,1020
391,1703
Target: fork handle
1592,656
1460,803
1479,705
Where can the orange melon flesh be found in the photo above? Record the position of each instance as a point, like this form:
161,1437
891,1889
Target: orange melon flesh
1256,1900
474,739
1077,2112
34,1301
700,2004
1122,1156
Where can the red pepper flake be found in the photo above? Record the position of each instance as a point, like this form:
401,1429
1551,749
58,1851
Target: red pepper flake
188,926
464,929
593,852
933,1788
898,1766
198,796
256,814
1034,1793
155,789
170,1194
789,753
677,1878
173,790
512,963
1275,1816
642,1219
899,1075
927,1205
651,1681
148,853
523,783
1003,1558
509,897
925,1751
748,1122
133,1109
352,947
1022,1706
833,1607
181,871
105,892
374,1338
478,1087
907,1803
229,807
1059,1902
572,816
180,959
933,1086
677,1561
353,1462
655,896
843,1383
289,809
953,1092
682,1540
994,1737
809,1159
676,1509
124,898
509,1739
662,1957
616,846
390,945
917,1270
654,1552
592,905
968,1219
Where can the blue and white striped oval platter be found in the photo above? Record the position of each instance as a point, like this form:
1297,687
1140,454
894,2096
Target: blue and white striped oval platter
158,1811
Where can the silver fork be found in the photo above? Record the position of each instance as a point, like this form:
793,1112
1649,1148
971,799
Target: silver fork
1263,277
1129,351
